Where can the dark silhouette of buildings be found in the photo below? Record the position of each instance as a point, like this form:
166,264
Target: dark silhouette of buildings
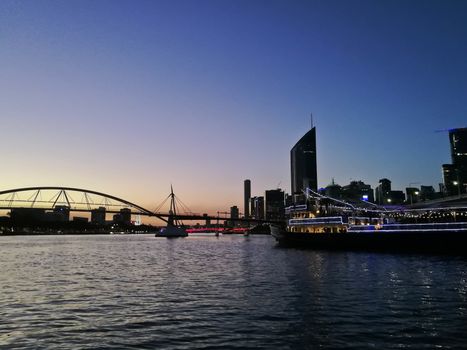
21,216
303,163
358,190
274,204
333,190
413,195
234,212
80,219
427,193
124,217
383,191
125,214
455,174
450,179
246,198
61,213
257,207
207,220
98,216
355,190
386,196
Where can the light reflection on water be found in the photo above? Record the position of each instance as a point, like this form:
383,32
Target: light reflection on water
234,292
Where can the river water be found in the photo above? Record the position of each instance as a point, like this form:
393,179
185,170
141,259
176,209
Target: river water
227,292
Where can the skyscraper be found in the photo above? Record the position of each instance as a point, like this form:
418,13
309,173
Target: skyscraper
383,191
455,174
274,204
458,141
246,198
303,163
257,207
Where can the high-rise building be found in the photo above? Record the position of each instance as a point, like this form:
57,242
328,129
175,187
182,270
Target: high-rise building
274,204
458,141
246,198
98,216
450,179
125,215
234,212
257,207
303,163
455,174
383,191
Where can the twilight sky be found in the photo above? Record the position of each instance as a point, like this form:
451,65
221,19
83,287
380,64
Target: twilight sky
127,97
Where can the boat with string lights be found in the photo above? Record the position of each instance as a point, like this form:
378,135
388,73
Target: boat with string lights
327,223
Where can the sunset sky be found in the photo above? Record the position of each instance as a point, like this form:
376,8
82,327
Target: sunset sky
129,97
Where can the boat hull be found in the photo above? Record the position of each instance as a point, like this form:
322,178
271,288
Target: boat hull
454,241
172,232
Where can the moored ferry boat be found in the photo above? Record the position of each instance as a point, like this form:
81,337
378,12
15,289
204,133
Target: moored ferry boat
333,224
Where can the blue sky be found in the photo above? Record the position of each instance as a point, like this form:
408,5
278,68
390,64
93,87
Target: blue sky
127,97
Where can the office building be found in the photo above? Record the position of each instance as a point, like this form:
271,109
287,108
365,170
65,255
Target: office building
396,197
61,213
125,216
98,216
427,193
303,163
412,195
257,207
383,191
234,212
358,190
333,190
246,198
455,174
458,142
274,203
27,215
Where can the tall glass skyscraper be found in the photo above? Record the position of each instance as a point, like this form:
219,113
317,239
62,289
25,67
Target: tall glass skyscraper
455,174
303,163
458,141
246,197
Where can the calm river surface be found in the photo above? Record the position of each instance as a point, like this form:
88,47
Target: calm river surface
230,292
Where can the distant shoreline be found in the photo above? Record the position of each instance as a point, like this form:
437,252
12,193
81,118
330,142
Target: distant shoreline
25,233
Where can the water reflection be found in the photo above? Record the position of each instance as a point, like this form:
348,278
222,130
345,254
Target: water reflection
227,292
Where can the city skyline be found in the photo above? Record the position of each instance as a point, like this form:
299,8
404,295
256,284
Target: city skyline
130,97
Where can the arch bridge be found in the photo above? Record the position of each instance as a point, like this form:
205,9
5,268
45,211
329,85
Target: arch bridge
75,199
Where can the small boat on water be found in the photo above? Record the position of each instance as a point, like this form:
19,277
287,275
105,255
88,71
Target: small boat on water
172,231
326,223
